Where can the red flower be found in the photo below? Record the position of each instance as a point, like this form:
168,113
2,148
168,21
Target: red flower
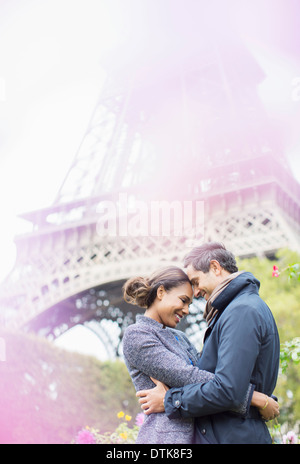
275,272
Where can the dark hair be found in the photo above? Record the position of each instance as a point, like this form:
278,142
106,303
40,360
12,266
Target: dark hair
142,291
201,257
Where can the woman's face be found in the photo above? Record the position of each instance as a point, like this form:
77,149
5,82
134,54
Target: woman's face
172,305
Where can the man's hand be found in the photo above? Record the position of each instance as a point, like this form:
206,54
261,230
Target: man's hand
153,400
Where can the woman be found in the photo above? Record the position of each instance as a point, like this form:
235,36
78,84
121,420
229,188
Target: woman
153,347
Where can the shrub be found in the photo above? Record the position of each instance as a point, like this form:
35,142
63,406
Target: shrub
47,393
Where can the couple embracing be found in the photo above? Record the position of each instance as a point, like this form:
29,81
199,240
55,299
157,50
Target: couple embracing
223,394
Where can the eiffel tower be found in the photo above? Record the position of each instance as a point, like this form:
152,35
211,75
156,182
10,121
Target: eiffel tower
172,127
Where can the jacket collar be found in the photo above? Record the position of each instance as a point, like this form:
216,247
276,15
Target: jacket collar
141,319
244,282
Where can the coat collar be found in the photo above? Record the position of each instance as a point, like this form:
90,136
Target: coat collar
245,282
141,319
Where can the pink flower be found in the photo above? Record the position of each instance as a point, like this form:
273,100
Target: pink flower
85,437
275,272
289,438
139,420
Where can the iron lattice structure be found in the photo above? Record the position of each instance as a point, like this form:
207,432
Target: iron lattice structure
190,129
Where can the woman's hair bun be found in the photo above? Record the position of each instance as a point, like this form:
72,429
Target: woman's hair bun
142,291
136,291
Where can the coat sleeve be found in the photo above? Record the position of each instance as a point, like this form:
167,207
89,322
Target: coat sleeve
239,345
143,350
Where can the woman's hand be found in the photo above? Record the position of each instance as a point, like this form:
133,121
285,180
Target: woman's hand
267,406
270,410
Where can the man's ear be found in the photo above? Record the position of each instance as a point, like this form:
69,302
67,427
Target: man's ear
215,267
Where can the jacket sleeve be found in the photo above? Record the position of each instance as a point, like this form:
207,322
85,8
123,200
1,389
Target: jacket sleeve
239,345
143,350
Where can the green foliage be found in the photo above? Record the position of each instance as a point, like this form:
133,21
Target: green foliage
294,271
290,352
289,437
281,291
47,394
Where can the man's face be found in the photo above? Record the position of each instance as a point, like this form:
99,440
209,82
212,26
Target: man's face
203,282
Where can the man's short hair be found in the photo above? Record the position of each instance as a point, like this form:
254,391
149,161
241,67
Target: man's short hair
201,257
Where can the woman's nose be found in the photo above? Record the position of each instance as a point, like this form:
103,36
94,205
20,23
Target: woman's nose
186,309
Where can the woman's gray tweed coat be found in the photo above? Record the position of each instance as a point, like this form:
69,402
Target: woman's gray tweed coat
165,354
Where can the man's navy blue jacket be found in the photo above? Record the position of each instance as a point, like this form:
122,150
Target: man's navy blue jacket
241,346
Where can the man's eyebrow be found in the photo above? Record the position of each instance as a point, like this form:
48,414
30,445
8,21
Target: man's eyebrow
194,280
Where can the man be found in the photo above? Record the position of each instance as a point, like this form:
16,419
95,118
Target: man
241,346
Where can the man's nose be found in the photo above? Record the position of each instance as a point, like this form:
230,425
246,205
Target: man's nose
197,292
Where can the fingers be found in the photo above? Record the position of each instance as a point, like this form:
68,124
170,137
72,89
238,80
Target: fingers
147,411
276,411
272,414
155,381
145,392
145,406
271,411
143,400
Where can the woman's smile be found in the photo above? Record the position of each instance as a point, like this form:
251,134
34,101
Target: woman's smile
178,317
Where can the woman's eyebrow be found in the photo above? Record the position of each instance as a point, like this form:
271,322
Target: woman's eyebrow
188,298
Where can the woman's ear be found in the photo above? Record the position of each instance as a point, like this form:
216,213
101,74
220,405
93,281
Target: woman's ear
161,292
